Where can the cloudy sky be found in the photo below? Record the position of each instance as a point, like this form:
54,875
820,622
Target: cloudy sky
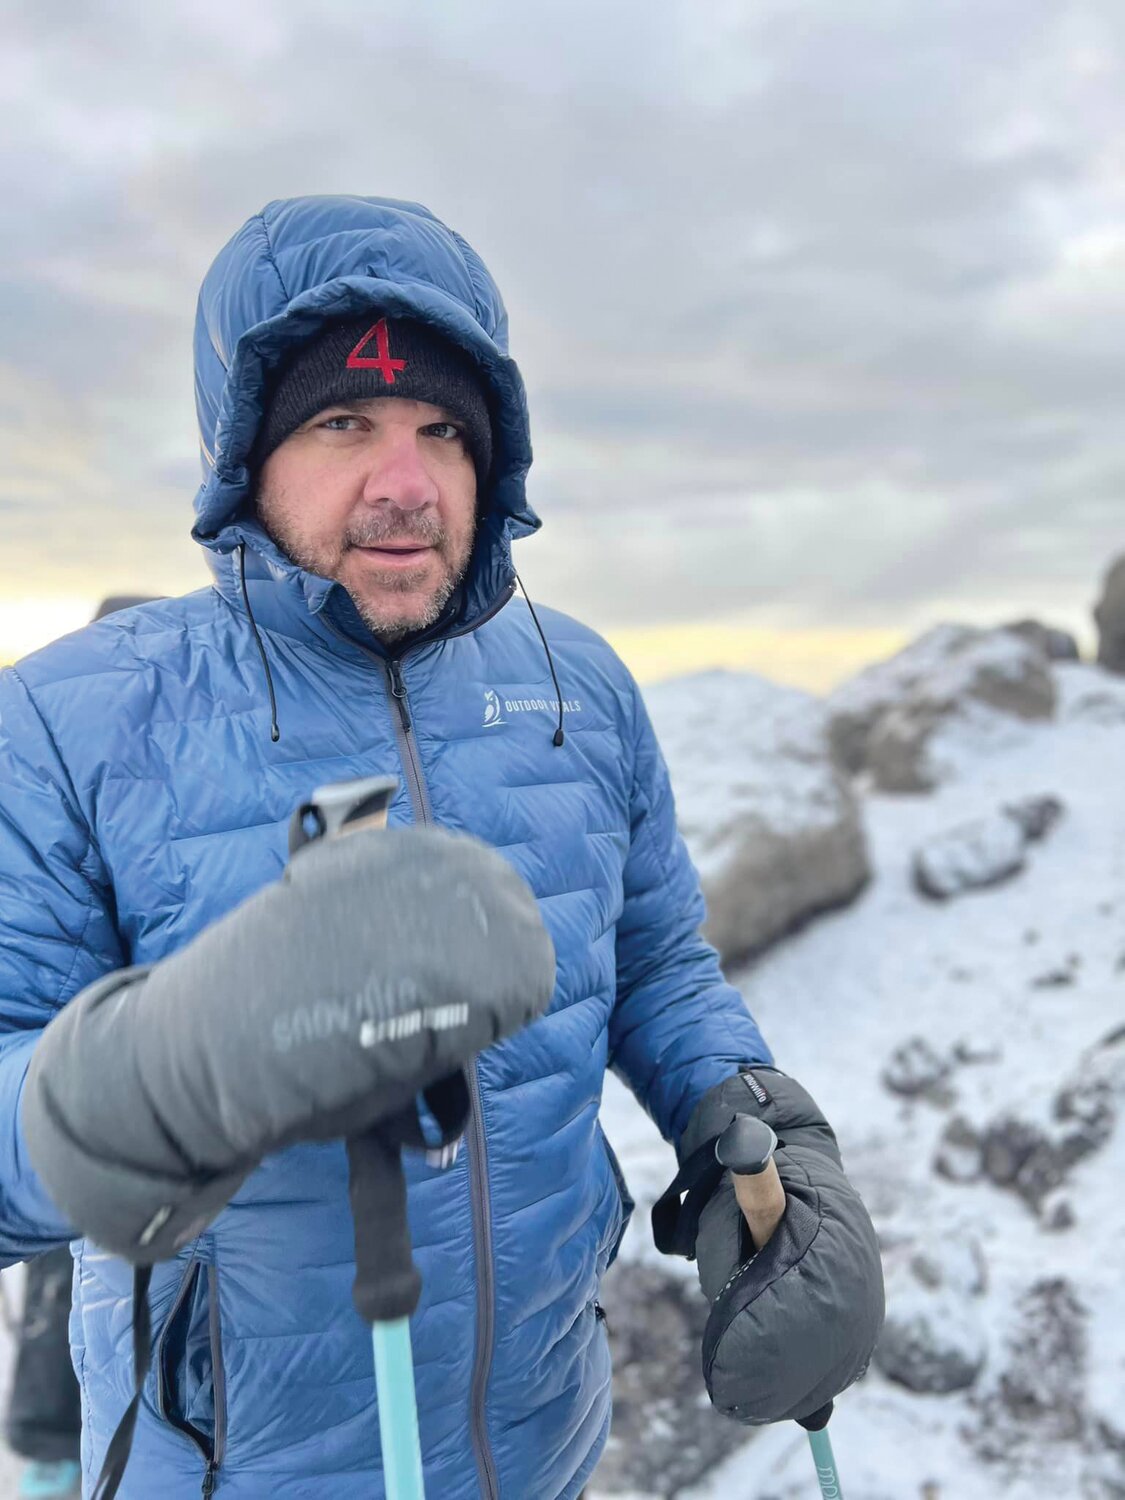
821,305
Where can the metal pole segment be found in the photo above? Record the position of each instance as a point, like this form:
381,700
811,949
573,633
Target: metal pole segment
823,1457
398,1410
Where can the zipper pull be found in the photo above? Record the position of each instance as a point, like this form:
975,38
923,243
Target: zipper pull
209,1482
398,690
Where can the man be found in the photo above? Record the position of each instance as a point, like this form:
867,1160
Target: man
365,446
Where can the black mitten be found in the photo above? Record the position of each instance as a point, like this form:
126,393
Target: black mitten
795,1323
377,965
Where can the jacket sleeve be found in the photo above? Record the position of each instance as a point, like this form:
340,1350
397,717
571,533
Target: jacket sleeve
677,1027
57,935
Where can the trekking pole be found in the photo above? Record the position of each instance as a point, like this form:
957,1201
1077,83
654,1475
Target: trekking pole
746,1149
387,1283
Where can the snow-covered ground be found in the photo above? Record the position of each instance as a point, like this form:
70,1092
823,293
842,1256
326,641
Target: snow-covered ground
984,971
1028,977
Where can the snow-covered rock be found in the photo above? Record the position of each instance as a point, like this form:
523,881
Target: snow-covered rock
916,1068
932,1341
985,850
666,1434
885,719
1039,1382
978,853
1058,645
772,825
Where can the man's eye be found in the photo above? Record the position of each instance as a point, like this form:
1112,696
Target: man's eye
448,431
339,424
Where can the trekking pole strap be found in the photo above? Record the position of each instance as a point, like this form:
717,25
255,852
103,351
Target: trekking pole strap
120,1444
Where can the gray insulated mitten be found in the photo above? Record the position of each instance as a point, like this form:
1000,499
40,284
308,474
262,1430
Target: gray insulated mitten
792,1325
377,966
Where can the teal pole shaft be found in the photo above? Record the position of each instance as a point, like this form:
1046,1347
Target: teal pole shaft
823,1457
398,1410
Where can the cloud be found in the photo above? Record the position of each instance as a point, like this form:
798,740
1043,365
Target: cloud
819,306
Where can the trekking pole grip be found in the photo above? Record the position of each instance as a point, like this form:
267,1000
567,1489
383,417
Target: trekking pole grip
746,1149
387,1284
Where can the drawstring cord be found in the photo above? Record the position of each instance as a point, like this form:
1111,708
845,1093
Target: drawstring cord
557,739
559,736
275,728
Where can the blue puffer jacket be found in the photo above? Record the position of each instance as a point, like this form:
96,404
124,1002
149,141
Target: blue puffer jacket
144,795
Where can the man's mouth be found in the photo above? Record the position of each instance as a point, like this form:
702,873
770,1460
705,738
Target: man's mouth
397,553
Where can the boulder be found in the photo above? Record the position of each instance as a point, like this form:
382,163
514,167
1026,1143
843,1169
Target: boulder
666,1435
985,850
979,853
115,602
773,826
884,720
1057,645
932,1341
1109,615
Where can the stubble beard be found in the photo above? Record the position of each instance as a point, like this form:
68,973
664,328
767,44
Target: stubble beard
377,529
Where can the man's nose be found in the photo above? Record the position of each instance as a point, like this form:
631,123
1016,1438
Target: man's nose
398,475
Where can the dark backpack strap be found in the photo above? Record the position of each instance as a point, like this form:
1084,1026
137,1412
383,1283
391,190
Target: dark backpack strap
675,1218
117,1454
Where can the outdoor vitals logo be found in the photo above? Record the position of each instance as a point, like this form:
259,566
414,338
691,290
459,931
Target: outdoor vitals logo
495,707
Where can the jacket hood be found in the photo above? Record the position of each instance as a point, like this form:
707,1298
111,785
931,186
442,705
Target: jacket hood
290,269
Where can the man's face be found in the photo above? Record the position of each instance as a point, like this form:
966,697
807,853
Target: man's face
381,496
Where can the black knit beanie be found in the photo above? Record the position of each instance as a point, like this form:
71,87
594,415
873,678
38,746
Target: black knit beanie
368,357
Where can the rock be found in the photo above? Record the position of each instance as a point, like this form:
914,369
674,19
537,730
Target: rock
1104,1473
914,1068
968,1051
665,1435
1109,615
1055,644
1054,979
774,828
960,1152
898,749
1087,1108
973,855
931,1342
1041,1378
114,602
1036,816
1033,1162
985,850
1058,1215
885,718
953,1261
1020,1156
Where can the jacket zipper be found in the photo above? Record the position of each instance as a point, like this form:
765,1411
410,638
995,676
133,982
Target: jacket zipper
211,1452
477,1143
